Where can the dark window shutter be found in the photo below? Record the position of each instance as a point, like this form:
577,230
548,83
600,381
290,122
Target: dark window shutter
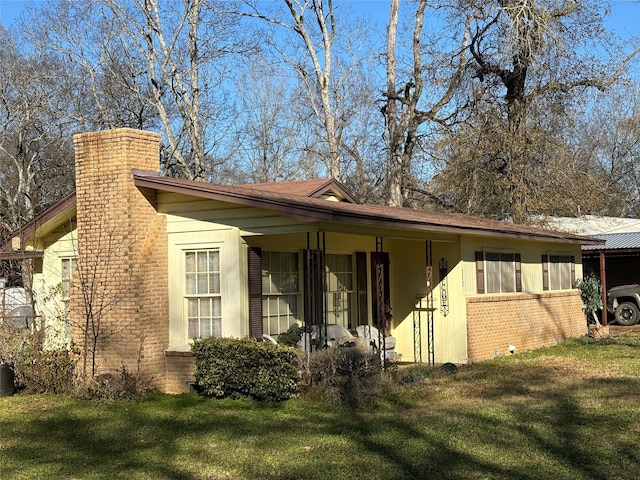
480,272
361,288
255,292
573,271
518,265
545,272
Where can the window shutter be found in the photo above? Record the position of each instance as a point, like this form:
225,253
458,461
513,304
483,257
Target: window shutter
545,272
361,287
573,271
480,272
518,265
255,292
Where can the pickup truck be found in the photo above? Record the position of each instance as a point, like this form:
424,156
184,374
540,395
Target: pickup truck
624,303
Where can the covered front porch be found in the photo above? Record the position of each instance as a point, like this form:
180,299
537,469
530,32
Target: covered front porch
405,287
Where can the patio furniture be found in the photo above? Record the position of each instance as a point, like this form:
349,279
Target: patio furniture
386,345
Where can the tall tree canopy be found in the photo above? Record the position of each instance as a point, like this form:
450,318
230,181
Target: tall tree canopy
489,107
531,64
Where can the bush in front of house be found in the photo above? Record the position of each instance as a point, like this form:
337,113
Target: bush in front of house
292,336
350,376
227,367
44,371
114,386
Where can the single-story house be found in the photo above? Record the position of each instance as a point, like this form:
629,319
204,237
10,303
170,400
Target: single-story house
162,261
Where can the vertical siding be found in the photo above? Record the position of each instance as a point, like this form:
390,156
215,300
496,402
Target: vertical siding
408,286
450,330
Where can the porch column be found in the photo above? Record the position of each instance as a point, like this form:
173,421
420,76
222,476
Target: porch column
603,282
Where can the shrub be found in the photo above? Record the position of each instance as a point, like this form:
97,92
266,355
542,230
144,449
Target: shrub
350,376
591,294
227,367
292,336
412,374
113,386
42,371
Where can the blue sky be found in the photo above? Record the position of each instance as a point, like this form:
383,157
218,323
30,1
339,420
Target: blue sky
625,17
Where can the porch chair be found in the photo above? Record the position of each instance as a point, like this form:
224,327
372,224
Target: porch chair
386,345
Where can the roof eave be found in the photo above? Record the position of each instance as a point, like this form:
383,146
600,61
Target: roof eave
29,229
21,255
315,213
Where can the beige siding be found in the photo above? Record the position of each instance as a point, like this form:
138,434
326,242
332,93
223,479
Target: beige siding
47,287
409,292
531,255
186,215
231,229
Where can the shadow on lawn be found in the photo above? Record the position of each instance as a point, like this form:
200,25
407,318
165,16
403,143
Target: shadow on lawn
519,426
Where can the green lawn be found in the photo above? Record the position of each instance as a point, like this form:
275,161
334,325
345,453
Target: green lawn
569,412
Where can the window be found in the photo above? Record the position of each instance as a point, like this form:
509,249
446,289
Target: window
68,267
558,272
339,270
498,272
202,293
280,291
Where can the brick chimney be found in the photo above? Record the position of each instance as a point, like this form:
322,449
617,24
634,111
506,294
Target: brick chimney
122,255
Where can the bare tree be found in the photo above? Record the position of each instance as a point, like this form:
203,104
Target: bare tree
526,56
406,107
35,160
608,139
34,153
186,71
318,81
150,64
269,135
323,51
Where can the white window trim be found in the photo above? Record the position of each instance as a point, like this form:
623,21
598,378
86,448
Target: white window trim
500,251
549,272
185,313
178,322
298,294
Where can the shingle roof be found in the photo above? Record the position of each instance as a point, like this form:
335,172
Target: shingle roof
306,209
298,201
616,241
306,188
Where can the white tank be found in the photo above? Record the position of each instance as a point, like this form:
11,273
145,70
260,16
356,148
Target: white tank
14,308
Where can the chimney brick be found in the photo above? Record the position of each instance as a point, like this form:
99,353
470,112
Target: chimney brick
122,254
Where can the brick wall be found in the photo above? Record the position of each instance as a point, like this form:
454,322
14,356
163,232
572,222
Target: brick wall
122,254
179,368
525,321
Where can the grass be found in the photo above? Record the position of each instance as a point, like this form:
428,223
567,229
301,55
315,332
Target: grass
568,412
